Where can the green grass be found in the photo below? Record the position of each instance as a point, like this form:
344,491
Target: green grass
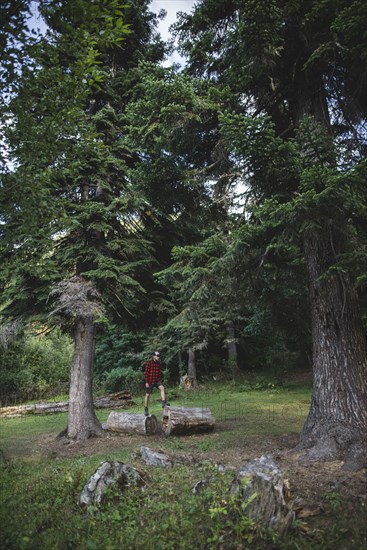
39,492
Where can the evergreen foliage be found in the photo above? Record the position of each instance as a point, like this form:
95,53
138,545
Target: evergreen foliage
119,359
125,176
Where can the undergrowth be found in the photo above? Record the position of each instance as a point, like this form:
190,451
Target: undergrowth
39,493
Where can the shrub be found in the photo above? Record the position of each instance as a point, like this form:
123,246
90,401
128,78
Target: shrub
34,367
123,378
116,347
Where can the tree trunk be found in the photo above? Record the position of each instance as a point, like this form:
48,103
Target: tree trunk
232,351
265,494
82,420
184,420
336,427
191,367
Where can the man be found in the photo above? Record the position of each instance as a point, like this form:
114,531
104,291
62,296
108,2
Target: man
153,379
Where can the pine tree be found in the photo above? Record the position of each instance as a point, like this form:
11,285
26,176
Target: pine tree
298,72
72,230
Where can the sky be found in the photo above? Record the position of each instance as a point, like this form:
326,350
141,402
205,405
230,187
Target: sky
171,7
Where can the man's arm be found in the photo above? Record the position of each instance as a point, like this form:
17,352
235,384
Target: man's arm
146,372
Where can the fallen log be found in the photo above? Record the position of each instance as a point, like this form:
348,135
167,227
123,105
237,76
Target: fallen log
132,423
116,400
184,420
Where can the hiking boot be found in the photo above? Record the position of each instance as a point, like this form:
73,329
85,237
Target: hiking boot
165,404
146,411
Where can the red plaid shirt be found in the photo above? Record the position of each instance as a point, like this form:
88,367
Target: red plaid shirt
152,372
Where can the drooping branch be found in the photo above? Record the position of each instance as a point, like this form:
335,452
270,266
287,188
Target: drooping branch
75,299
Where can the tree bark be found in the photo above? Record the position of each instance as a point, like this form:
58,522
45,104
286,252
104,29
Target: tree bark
184,420
82,420
132,423
336,427
191,367
232,351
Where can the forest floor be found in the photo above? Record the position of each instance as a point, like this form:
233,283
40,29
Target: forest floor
330,503
320,492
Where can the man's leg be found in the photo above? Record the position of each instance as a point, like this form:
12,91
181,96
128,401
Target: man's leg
146,403
163,395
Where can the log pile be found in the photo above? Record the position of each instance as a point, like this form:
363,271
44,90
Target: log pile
184,420
116,400
132,423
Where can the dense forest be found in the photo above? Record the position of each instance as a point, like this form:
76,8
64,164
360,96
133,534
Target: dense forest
216,211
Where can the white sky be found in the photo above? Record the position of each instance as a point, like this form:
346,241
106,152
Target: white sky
171,7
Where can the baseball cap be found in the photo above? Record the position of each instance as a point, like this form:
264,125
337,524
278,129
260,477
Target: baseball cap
157,353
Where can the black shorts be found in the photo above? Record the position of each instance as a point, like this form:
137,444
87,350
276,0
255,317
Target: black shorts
150,388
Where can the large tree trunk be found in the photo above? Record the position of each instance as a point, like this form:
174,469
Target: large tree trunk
82,420
336,427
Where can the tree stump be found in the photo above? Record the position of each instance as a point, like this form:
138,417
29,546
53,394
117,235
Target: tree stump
184,420
264,493
188,382
109,474
132,423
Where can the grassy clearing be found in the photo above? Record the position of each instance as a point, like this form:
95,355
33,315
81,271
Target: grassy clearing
40,489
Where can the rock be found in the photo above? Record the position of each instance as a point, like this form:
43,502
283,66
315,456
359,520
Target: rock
199,486
262,486
108,474
153,458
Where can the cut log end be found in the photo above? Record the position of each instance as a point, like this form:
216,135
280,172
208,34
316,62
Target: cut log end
184,420
151,424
